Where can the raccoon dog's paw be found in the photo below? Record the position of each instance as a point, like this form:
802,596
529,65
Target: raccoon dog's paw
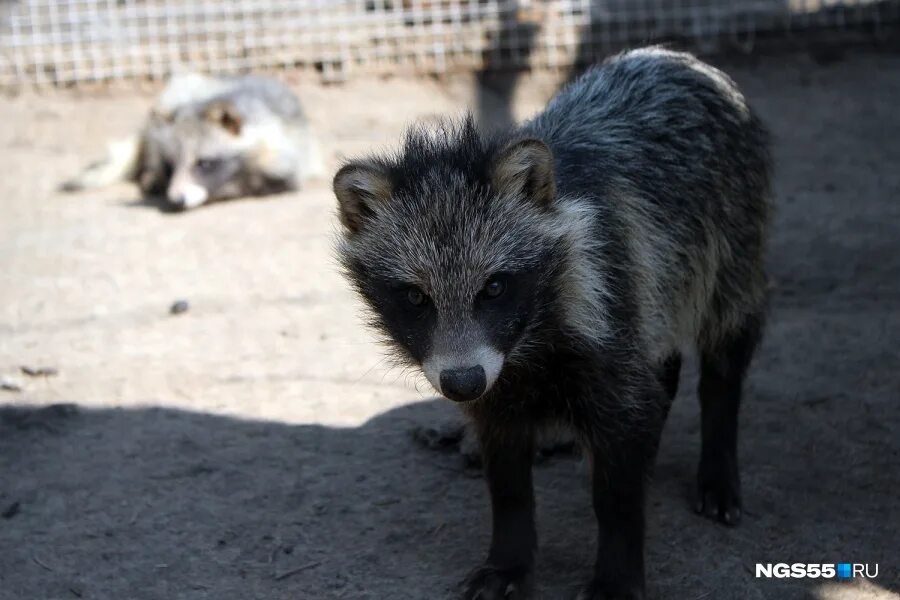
490,583
597,590
446,436
555,441
718,490
451,436
456,436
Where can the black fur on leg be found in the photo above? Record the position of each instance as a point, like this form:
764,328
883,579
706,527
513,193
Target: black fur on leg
722,371
621,467
507,459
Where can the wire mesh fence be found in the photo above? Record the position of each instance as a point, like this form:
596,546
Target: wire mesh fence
61,42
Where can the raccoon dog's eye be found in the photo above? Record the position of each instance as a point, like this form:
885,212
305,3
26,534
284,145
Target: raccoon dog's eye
208,165
494,288
416,297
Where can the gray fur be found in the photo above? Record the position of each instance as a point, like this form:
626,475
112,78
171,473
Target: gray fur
252,128
693,209
654,150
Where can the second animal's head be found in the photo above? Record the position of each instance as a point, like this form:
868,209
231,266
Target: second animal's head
201,153
453,245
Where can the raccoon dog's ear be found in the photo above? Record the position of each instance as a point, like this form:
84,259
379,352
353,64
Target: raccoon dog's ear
226,116
526,167
359,187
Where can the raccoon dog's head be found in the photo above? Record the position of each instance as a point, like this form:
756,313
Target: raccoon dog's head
448,243
202,150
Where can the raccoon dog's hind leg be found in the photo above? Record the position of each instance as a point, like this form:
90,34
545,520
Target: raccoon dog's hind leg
120,164
723,365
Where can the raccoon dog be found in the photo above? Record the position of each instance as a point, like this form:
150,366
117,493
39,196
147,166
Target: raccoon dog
213,138
553,274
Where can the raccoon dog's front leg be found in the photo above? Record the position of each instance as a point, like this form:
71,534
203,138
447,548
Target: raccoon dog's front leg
621,462
507,573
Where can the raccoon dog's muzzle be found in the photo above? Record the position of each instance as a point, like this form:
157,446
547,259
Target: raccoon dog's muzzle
184,193
463,376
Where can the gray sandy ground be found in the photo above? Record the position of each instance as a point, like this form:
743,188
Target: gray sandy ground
257,445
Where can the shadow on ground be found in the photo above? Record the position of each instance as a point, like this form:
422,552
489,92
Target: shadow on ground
161,503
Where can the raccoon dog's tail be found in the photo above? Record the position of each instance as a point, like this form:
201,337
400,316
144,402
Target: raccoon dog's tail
120,164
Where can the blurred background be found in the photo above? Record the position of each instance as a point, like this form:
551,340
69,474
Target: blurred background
76,41
191,406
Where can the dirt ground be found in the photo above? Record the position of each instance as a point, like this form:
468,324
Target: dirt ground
258,447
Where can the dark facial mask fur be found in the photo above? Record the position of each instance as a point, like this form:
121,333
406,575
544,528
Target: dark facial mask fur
450,247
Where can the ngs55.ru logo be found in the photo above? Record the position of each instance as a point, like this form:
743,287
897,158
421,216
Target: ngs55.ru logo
816,570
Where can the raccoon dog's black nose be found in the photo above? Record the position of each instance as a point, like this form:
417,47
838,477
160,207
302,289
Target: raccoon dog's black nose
463,384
